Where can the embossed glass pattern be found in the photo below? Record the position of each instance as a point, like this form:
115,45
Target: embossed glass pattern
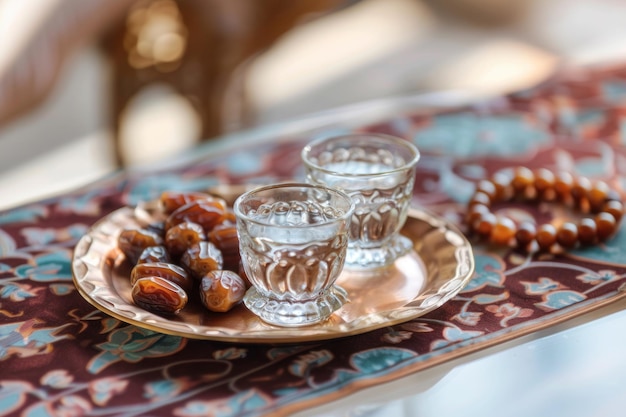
377,172
293,240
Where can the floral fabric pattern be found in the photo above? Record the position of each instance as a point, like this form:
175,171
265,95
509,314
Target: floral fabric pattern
61,356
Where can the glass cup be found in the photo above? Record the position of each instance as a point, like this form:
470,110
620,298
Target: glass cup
378,172
293,240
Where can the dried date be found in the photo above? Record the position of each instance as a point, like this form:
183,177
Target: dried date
173,200
202,259
221,290
168,271
225,238
193,247
181,237
159,295
132,242
206,213
154,254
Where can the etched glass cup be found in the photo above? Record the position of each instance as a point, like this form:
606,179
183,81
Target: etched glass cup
378,172
293,240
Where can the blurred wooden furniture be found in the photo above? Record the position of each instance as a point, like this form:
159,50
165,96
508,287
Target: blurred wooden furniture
200,49
36,40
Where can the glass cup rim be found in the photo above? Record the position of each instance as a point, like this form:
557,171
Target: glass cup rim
395,139
344,217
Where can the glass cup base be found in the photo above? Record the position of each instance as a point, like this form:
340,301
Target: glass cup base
295,313
378,257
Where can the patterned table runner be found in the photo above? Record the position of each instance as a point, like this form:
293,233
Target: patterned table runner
60,356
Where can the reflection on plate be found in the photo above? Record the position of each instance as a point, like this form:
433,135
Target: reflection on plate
439,266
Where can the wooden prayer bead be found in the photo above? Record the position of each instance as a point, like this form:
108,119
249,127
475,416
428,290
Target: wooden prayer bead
502,183
597,195
525,234
567,235
487,187
480,198
474,212
546,236
606,225
563,183
616,208
523,178
544,179
544,185
581,189
587,231
484,225
503,231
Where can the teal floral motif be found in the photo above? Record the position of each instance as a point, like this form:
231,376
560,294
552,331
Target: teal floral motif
464,135
396,336
242,163
417,327
473,318
453,334
82,204
468,318
577,122
102,390
17,292
490,298
600,277
282,351
152,186
24,339
133,344
23,214
489,273
596,167
13,395
381,359
542,286
313,359
7,244
612,251
37,236
455,186
49,267
230,353
560,299
614,91
508,311
68,405
163,389
62,289
57,379
107,323
238,404
196,409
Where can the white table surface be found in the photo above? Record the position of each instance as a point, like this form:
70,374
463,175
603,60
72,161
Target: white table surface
574,369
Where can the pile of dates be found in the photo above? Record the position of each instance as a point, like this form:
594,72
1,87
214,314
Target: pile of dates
194,248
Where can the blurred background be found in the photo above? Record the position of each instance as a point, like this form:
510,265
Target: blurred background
89,86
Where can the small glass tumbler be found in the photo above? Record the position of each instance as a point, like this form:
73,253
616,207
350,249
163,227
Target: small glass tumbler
378,172
293,240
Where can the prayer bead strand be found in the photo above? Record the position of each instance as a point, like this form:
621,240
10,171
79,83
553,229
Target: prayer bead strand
595,197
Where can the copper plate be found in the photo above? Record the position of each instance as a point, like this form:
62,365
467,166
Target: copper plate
438,268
